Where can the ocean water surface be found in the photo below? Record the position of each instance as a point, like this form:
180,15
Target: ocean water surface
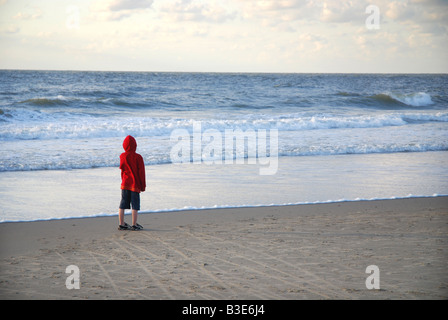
340,137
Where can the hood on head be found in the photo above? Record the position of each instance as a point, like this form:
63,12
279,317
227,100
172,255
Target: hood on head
129,144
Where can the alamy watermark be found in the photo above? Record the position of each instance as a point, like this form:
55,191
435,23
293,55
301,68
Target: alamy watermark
373,20
373,280
237,146
73,280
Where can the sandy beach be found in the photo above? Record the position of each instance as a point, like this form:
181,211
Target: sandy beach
318,251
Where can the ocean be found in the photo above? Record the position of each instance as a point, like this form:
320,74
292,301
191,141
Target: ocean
334,137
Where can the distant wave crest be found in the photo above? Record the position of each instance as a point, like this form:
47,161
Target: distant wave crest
47,102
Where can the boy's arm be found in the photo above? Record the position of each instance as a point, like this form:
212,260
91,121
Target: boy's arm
121,166
142,174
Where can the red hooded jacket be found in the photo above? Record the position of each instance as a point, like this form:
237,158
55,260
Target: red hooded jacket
132,167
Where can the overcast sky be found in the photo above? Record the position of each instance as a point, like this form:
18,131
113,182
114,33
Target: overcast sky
402,36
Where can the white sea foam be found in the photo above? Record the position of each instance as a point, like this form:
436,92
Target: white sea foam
32,125
79,146
419,99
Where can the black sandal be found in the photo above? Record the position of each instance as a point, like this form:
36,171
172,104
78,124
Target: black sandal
136,227
125,227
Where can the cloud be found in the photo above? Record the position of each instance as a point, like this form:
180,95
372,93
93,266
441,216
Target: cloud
422,17
343,11
10,29
119,5
276,10
293,15
417,11
45,34
313,43
28,16
282,35
275,5
191,10
399,11
109,10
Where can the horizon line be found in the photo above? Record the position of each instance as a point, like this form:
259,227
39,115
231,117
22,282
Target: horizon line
222,72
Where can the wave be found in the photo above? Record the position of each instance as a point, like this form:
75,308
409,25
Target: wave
48,102
419,99
362,149
159,154
248,107
127,102
32,125
97,104
385,100
347,94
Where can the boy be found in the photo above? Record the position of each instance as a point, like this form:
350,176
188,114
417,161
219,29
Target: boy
133,182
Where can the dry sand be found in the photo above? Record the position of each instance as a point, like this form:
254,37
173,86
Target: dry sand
316,251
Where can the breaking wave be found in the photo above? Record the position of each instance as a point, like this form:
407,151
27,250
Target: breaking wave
36,125
419,99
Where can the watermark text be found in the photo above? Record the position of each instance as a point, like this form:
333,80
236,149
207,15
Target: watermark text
373,20
373,280
236,146
73,280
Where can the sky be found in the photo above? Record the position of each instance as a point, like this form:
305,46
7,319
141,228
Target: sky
306,36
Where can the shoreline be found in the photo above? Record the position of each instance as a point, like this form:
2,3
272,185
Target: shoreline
31,196
224,207
307,251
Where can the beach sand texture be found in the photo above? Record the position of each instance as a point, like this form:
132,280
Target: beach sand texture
318,251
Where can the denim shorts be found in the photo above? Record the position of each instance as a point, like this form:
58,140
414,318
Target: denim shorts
129,198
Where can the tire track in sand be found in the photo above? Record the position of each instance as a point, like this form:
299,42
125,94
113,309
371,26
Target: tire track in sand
147,252
321,288
143,267
257,295
254,270
204,271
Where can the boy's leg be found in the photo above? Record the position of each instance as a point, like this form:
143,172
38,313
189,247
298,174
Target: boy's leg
125,203
135,201
121,217
134,217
